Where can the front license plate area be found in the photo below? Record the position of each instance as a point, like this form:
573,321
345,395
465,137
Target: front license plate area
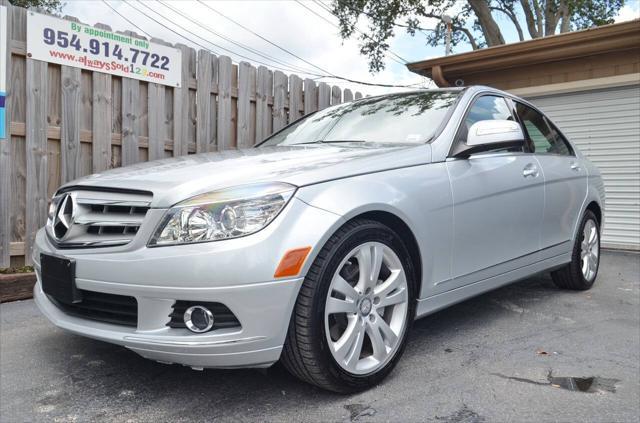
59,278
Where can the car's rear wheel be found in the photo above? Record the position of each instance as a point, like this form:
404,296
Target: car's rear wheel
581,273
351,318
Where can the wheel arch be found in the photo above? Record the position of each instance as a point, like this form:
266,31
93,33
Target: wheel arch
596,209
399,226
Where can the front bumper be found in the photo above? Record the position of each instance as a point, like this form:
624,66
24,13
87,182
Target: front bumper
237,273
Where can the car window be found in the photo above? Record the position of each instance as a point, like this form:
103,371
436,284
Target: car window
408,118
543,138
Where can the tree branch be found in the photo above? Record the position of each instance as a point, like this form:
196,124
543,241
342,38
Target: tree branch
539,18
528,15
472,40
513,18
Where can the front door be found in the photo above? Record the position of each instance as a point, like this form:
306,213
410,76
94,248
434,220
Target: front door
498,205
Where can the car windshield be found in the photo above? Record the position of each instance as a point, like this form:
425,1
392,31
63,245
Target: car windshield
397,118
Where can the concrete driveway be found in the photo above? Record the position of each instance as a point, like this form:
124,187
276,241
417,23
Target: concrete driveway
508,355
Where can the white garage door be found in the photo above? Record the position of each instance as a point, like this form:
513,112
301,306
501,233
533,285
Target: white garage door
605,126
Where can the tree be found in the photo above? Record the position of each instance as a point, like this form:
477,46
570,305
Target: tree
472,21
51,6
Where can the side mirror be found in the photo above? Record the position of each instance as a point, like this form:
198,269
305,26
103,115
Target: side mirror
488,135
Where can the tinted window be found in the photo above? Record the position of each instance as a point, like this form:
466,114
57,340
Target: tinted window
396,118
543,138
487,107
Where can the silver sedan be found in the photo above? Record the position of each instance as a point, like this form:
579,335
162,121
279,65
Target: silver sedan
320,246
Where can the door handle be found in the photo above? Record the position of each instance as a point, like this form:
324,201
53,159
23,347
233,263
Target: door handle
575,167
530,171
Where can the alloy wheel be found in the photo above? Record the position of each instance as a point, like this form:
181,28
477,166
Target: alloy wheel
589,250
366,309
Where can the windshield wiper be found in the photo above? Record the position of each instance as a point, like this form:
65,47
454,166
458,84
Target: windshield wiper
327,142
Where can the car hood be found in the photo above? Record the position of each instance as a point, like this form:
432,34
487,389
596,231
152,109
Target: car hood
176,179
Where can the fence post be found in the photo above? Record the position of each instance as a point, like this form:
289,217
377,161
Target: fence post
36,140
5,150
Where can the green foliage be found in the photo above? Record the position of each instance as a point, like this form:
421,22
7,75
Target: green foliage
51,6
472,21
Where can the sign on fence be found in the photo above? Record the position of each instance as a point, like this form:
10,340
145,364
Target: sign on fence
3,70
82,46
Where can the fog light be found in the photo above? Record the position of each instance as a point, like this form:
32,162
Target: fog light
198,319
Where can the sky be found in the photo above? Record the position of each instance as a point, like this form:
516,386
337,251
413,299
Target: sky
286,23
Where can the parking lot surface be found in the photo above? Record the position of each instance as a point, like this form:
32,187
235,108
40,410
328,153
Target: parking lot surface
526,352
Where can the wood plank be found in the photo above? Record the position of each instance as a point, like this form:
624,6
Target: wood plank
348,95
324,95
262,108
279,97
358,95
156,97
296,99
130,130
253,74
70,136
102,119
16,286
336,95
36,139
5,152
310,96
244,106
225,76
203,95
180,102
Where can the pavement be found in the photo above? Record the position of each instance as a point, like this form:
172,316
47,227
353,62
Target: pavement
526,352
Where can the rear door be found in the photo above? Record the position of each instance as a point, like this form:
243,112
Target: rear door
564,175
498,202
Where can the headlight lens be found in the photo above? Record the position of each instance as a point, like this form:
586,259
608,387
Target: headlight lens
224,214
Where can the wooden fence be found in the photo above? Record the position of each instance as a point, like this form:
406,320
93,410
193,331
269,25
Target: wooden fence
65,122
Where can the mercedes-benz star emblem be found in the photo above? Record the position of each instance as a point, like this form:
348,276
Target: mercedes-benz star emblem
63,218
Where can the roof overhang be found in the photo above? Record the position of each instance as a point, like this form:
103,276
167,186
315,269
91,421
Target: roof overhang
588,42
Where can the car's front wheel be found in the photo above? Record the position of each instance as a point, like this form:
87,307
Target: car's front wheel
350,322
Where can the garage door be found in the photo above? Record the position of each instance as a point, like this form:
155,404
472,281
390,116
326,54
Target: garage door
605,126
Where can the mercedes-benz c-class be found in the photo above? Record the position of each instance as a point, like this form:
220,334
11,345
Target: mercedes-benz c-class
320,246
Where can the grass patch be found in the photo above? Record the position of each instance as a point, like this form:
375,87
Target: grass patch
10,270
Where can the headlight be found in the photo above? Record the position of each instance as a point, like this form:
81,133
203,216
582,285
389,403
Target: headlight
224,214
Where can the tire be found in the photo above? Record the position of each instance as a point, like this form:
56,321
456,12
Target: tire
573,276
310,349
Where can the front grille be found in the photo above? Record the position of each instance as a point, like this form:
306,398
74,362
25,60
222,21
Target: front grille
97,218
107,308
223,317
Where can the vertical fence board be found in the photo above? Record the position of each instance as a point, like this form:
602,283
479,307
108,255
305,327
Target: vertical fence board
262,108
296,101
130,94
348,95
279,97
336,95
5,151
203,96
101,131
156,121
180,102
358,95
324,95
225,69
70,131
310,96
36,137
244,105
252,105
